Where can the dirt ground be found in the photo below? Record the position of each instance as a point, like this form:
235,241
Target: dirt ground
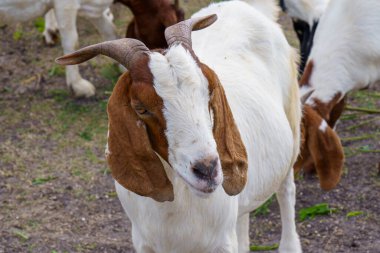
56,192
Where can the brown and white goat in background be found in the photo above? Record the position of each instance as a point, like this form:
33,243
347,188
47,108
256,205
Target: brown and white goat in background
204,132
66,13
345,57
151,18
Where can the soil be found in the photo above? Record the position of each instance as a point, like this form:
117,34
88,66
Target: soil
56,193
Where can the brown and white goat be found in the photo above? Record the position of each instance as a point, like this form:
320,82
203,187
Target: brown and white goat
345,57
215,115
151,17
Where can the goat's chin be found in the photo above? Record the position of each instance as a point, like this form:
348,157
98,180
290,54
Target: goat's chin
201,188
201,194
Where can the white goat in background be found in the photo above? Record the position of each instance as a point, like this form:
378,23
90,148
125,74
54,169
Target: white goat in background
345,57
221,108
66,13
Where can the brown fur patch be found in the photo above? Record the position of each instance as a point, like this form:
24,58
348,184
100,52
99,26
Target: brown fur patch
321,150
133,139
151,17
231,149
307,74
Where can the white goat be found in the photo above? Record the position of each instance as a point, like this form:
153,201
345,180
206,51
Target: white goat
66,13
305,15
345,57
238,125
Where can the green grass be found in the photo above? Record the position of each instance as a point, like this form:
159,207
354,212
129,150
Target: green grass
57,70
264,208
39,23
111,72
42,180
17,35
318,209
354,214
264,247
21,234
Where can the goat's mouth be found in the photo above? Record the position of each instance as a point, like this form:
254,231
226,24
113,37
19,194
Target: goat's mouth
203,188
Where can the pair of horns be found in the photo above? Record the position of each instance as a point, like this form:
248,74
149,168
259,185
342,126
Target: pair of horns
127,51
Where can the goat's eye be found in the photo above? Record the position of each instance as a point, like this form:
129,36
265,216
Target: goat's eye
141,111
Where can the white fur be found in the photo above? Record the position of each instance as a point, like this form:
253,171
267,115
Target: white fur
322,127
306,10
268,7
256,67
346,50
65,21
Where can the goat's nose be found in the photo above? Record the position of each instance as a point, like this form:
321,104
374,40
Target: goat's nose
206,169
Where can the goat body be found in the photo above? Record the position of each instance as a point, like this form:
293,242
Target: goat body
345,57
222,109
66,13
346,52
256,67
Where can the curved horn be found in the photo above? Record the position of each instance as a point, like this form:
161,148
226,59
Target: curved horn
125,51
181,32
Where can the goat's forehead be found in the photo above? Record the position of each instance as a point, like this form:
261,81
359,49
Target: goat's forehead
176,70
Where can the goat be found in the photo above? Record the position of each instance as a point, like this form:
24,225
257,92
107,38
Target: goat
66,13
221,108
345,57
305,15
151,17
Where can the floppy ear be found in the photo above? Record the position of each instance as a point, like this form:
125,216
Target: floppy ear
325,148
231,149
131,158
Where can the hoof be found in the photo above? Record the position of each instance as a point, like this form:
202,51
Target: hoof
83,88
50,37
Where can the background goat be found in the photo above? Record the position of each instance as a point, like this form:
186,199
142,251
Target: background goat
305,15
66,13
238,125
345,57
151,17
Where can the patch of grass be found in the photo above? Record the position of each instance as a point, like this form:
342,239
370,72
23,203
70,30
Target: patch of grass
81,173
39,23
42,180
369,109
86,134
17,35
354,214
112,194
59,95
349,116
106,171
33,224
57,70
264,208
367,149
111,72
21,234
318,209
359,138
363,123
264,247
